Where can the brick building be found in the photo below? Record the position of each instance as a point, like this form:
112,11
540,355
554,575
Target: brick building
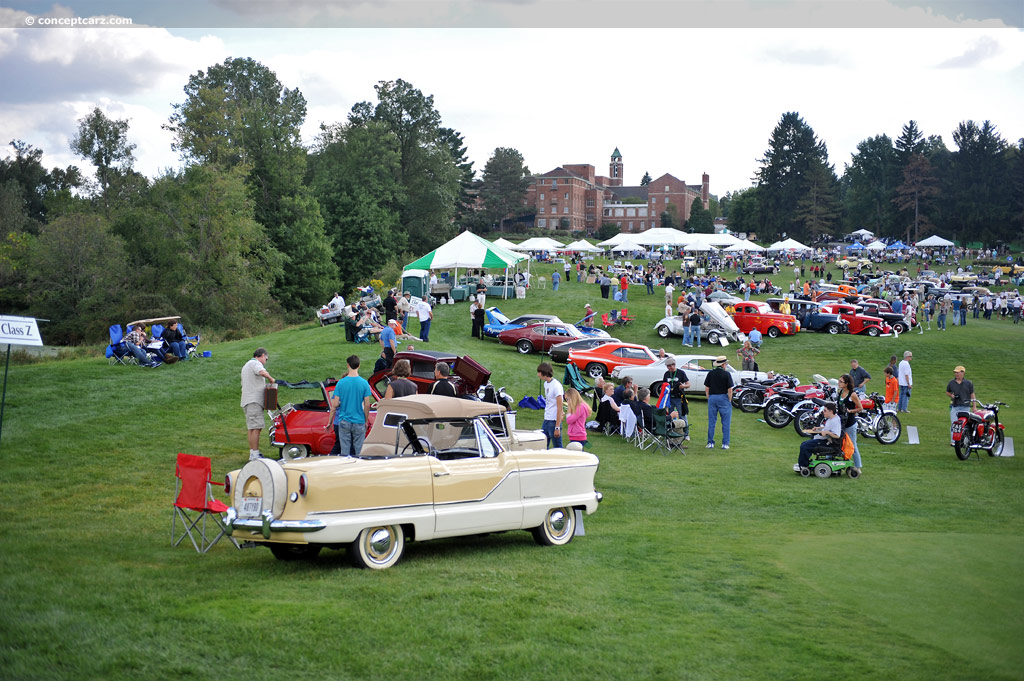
574,197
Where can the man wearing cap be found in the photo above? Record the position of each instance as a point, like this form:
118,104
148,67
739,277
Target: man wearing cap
404,305
389,342
960,391
677,383
718,389
905,378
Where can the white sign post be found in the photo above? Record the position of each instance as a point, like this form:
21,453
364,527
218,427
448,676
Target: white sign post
16,331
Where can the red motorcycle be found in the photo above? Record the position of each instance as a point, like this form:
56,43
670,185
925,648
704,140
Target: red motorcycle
979,429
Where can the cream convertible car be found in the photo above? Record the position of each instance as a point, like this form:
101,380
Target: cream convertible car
431,467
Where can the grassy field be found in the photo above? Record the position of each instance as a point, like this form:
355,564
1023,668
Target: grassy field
716,565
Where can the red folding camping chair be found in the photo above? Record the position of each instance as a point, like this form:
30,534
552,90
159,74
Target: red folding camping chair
605,321
194,503
624,317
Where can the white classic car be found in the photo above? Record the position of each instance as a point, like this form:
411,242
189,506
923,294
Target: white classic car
430,467
696,368
717,328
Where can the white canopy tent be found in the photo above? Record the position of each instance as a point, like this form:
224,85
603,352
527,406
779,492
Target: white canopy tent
539,243
504,243
934,241
721,240
744,246
698,247
662,236
582,246
875,246
616,240
628,246
789,245
862,233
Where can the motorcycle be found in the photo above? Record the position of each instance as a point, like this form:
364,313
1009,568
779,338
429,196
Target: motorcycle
785,405
752,395
872,420
979,429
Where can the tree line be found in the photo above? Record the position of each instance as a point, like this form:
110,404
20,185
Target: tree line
907,188
255,228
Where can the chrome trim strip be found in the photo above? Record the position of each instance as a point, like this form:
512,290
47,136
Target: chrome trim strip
278,525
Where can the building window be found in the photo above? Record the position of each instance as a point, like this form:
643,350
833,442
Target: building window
566,195
642,212
631,226
542,222
565,209
541,197
654,200
618,212
666,187
641,226
554,183
619,225
666,199
631,212
542,209
590,217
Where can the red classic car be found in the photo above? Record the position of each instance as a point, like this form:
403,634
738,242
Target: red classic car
754,314
859,323
466,374
300,429
600,361
539,337
878,307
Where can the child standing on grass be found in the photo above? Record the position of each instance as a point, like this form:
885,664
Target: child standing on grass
576,416
892,390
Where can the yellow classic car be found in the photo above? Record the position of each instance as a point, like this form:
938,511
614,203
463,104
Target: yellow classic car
430,467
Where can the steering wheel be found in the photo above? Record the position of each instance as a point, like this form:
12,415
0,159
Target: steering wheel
424,442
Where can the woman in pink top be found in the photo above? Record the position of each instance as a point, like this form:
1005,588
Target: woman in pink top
576,416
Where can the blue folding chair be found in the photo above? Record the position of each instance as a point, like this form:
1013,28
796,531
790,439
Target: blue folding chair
117,351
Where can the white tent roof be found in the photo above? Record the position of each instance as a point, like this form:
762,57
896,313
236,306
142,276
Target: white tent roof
467,250
617,239
504,243
745,246
863,233
539,243
628,245
583,246
662,236
698,246
713,239
875,246
788,245
934,240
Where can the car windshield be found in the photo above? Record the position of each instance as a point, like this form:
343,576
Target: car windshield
451,439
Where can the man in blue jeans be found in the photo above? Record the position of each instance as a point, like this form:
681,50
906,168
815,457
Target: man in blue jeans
718,389
553,397
350,408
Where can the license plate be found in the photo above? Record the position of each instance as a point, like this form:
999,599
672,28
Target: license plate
251,506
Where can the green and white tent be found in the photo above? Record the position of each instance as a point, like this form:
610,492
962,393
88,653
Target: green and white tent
469,251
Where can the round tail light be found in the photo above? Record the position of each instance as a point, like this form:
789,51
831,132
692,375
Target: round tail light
227,484
303,484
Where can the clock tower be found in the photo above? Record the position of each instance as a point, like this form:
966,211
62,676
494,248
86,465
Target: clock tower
615,169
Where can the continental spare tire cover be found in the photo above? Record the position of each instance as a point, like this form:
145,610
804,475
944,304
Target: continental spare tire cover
263,478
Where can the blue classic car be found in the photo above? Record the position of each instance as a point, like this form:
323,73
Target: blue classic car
495,322
810,316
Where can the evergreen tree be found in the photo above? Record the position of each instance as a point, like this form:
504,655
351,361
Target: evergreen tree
869,183
911,141
607,230
979,195
913,193
783,177
817,211
505,181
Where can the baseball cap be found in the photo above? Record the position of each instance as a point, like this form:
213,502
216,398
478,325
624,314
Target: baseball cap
960,367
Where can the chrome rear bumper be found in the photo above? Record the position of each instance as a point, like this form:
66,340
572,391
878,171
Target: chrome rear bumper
266,524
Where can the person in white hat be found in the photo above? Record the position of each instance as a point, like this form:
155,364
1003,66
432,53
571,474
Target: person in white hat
718,389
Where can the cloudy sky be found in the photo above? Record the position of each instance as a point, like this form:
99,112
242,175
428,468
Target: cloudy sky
682,87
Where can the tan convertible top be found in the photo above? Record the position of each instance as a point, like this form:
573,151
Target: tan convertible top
426,407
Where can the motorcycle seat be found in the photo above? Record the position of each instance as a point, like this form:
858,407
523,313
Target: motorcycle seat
792,394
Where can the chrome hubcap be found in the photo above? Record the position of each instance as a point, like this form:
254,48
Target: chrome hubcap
558,521
380,542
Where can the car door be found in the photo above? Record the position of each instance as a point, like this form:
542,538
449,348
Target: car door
476,483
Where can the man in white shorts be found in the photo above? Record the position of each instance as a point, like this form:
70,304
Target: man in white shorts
254,380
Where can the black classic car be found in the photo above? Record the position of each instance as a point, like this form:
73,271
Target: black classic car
810,315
